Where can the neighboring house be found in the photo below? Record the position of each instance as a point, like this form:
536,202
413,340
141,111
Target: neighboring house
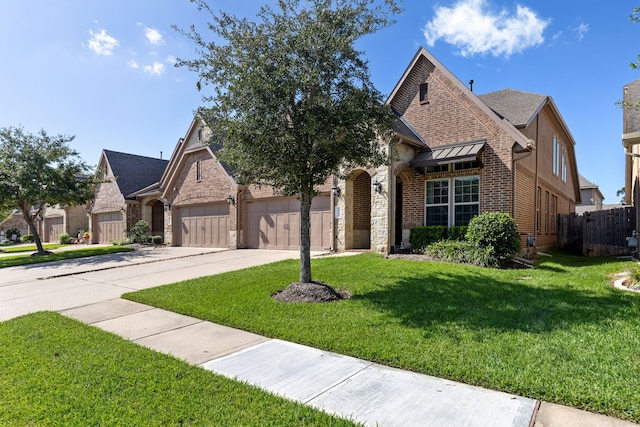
455,155
56,220
631,144
458,155
193,200
114,209
14,220
590,195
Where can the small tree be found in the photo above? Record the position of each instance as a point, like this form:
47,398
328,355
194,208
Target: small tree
40,170
139,232
292,97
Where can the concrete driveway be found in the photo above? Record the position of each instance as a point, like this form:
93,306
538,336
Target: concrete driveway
73,283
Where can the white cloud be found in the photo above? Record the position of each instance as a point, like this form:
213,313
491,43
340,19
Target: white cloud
474,29
581,30
102,43
156,68
172,59
154,36
133,64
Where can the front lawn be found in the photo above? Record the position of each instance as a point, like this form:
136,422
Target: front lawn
58,372
87,251
558,333
28,248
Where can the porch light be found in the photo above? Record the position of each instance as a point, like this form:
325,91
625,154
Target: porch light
231,200
167,207
336,191
378,186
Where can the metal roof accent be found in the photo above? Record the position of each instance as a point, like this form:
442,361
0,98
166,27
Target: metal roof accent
446,154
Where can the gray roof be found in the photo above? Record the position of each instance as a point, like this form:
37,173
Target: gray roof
585,183
450,153
133,172
515,106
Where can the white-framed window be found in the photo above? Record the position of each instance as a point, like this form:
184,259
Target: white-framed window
556,156
564,166
452,201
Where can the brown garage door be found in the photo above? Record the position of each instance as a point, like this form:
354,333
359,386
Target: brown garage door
204,225
55,227
108,226
275,224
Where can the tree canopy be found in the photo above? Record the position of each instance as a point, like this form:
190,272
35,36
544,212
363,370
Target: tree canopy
37,170
291,97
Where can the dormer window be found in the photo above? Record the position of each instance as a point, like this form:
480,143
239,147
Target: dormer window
200,134
424,91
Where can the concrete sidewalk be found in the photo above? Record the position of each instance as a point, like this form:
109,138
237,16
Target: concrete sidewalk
89,290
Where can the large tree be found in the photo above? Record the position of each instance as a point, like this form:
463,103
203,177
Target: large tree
37,170
291,96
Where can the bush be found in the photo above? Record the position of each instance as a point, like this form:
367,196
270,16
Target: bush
65,239
10,232
156,240
495,230
6,242
121,242
421,237
139,231
462,252
27,238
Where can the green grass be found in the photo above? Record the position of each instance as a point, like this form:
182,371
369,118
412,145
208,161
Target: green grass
28,248
56,371
16,260
558,333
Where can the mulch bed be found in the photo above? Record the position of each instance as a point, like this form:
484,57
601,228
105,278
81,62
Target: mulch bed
310,292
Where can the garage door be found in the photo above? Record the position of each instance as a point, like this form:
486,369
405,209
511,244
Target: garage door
275,224
204,225
108,226
55,227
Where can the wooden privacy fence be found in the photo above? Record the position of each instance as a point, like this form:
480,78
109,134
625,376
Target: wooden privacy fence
599,233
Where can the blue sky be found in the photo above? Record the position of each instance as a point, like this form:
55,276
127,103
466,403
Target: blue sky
103,71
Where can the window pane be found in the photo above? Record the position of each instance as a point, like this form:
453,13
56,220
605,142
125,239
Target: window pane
437,215
467,190
437,192
464,213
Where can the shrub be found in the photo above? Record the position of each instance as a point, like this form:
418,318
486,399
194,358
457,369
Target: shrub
27,238
139,231
462,252
65,239
421,237
156,240
121,242
6,242
495,230
10,232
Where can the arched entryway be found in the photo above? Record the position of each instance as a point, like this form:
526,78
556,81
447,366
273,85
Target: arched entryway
358,210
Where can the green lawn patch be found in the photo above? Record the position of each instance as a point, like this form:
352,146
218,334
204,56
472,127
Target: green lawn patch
12,261
57,371
558,333
28,248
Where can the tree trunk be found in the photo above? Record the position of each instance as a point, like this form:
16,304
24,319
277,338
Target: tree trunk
305,236
34,232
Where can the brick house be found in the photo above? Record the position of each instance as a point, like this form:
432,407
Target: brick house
59,219
115,209
193,200
456,155
631,144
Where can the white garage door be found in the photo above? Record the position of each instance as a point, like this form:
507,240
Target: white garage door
55,227
204,225
109,226
275,224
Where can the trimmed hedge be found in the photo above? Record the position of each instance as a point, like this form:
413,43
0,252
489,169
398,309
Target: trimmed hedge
421,237
495,230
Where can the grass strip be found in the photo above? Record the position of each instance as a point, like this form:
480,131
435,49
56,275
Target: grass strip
28,248
17,260
57,371
558,333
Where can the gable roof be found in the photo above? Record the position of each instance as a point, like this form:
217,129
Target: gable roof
517,136
518,107
133,172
